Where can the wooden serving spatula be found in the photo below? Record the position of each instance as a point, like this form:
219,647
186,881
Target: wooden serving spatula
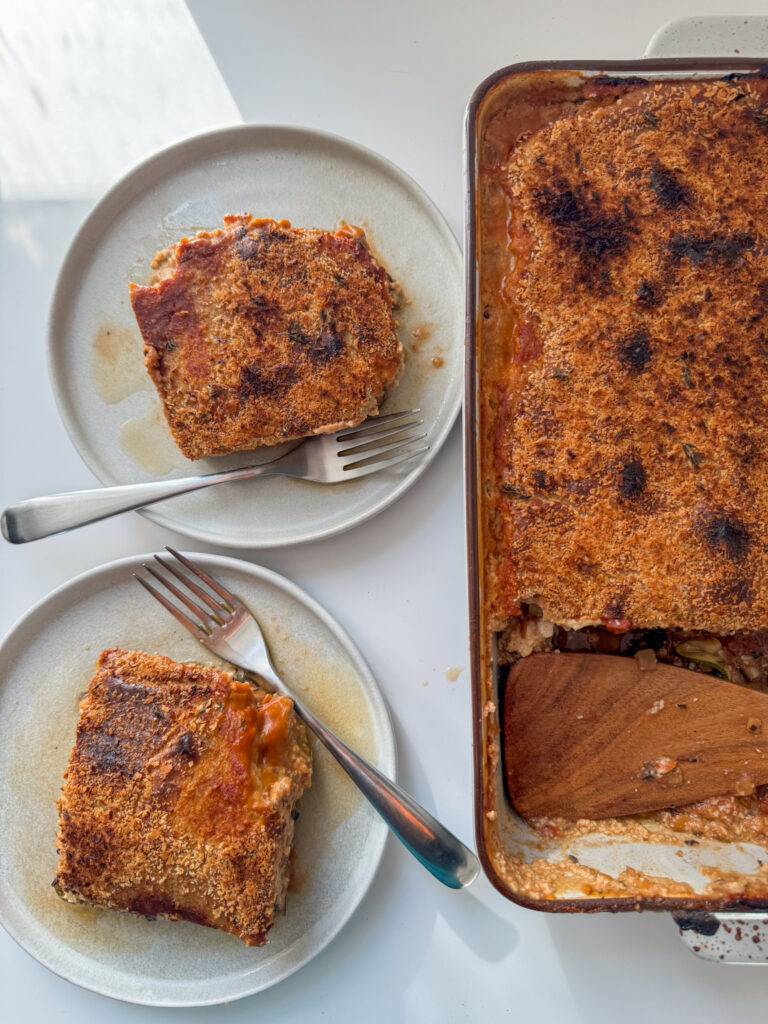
594,736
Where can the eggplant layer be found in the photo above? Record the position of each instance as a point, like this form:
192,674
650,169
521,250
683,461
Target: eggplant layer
738,657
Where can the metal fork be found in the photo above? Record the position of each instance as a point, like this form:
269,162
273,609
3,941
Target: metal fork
379,443
225,626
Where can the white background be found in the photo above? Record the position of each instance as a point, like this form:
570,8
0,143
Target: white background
395,77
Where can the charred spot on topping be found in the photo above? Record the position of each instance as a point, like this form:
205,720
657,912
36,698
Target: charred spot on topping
515,491
685,371
542,481
693,454
297,336
614,609
635,351
726,533
592,232
650,118
258,312
108,752
326,346
185,746
762,291
261,304
254,245
258,382
122,750
670,191
759,115
632,480
247,247
720,248
648,294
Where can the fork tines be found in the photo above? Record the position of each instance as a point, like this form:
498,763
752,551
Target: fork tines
365,452
207,618
372,427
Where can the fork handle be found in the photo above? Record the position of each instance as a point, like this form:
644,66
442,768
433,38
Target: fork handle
41,517
441,853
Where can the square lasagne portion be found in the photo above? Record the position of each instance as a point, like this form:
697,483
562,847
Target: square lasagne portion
260,333
179,795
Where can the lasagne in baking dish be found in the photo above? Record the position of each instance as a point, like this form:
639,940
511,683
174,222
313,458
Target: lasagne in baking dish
260,333
623,401
179,796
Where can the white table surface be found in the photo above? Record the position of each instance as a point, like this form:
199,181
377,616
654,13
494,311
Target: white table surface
395,77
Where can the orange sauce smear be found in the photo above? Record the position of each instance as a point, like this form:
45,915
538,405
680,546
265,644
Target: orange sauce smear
345,230
231,778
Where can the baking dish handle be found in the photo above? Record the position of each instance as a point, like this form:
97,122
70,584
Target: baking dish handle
726,936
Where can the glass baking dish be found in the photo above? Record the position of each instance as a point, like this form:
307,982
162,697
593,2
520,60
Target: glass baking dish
597,871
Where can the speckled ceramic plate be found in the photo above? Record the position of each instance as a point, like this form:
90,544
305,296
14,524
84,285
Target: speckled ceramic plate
105,397
46,662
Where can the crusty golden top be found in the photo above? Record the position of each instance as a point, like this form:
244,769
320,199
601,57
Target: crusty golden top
631,421
261,333
179,793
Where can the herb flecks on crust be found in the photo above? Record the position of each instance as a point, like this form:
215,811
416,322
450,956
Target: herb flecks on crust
640,235
179,795
261,333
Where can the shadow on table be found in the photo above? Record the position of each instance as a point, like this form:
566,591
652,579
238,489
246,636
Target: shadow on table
488,934
633,967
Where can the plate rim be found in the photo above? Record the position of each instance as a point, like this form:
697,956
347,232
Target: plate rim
59,299
386,759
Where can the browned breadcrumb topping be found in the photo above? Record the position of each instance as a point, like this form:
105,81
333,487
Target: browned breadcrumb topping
179,795
630,422
261,333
